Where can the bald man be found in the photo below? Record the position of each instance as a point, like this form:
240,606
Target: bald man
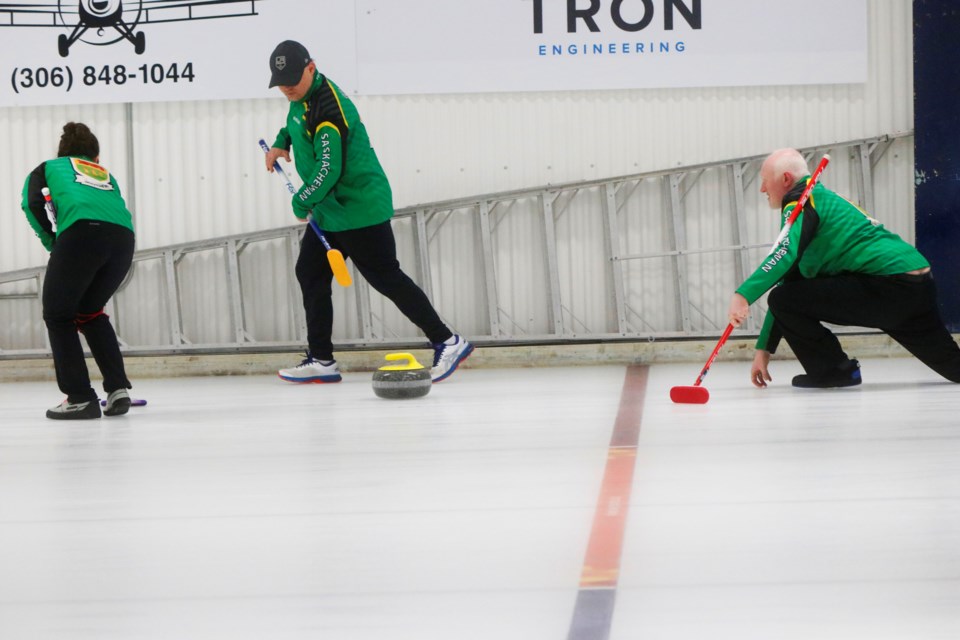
838,265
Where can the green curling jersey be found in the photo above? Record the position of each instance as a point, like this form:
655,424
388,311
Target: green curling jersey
343,182
80,189
830,237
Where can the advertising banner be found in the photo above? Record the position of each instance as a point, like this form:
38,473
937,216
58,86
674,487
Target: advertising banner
103,51
561,45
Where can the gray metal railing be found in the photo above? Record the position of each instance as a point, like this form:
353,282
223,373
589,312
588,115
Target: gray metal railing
700,218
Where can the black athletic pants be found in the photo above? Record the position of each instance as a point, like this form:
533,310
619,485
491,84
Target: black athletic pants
902,306
374,252
88,262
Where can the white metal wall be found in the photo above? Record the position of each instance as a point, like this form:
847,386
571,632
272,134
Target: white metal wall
196,171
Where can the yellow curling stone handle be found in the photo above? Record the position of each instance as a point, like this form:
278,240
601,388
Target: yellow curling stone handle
410,362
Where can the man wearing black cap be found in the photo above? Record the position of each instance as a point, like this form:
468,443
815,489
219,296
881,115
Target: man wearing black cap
345,189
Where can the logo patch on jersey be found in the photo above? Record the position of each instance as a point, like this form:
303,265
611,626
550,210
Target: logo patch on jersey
91,174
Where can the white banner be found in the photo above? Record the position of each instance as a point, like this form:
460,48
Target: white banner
101,51
556,45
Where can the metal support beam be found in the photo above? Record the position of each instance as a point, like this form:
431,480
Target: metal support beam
673,183
235,290
613,249
741,258
489,271
421,244
364,311
172,290
549,230
864,168
130,183
298,315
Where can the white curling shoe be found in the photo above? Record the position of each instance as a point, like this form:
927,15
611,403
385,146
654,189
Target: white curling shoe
447,357
312,370
118,403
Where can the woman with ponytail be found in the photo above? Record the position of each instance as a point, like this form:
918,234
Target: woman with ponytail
74,205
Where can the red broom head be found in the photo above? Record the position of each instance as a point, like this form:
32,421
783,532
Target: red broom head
689,395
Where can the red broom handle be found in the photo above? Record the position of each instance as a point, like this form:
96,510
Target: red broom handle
802,200
713,356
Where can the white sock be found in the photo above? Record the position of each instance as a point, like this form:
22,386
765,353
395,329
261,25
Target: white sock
451,340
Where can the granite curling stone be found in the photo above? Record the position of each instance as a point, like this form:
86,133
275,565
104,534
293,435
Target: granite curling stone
400,381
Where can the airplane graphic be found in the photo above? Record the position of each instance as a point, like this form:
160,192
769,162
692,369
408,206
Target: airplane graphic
91,21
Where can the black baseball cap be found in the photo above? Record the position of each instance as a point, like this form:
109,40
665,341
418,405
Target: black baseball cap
287,63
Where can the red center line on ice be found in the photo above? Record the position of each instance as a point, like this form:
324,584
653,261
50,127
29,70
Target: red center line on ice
593,612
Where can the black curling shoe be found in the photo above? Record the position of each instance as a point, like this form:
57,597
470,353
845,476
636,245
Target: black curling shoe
847,375
67,410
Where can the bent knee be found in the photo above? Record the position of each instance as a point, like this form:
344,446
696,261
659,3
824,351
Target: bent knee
776,299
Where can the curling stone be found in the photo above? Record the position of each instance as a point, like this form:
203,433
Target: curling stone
405,380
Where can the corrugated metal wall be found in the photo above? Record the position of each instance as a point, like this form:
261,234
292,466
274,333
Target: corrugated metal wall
195,172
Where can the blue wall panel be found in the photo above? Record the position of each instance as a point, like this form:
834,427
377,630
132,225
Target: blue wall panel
937,125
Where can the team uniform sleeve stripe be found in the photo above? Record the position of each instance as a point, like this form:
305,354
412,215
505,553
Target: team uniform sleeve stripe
339,106
327,123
